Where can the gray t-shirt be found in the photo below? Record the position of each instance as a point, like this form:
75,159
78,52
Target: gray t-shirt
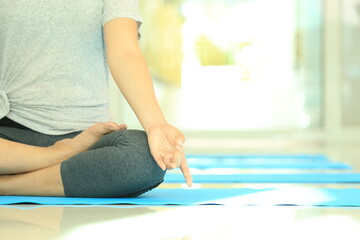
53,69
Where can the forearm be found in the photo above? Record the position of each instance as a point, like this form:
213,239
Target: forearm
132,76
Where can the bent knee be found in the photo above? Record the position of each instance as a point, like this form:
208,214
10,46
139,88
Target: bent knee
146,174
134,138
123,168
133,147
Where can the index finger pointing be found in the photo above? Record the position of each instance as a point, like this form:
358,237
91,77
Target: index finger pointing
186,171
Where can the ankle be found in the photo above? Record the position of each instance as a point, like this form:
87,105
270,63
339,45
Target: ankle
62,150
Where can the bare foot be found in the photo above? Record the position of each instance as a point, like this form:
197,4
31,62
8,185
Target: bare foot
83,141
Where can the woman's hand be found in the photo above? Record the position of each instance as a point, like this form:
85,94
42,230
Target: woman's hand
166,146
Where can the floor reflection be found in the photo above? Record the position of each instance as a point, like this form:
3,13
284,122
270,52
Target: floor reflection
177,222
22,222
45,222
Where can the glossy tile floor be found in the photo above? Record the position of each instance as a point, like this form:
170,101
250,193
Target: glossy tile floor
191,222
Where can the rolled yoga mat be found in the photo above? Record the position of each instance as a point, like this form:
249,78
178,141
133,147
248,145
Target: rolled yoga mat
268,178
349,197
264,158
234,164
311,162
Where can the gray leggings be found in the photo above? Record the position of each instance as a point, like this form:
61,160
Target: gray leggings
118,165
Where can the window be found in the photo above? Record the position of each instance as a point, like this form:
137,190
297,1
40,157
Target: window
236,65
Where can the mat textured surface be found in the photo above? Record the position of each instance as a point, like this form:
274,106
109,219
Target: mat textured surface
349,197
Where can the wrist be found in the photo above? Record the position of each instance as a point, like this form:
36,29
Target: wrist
158,123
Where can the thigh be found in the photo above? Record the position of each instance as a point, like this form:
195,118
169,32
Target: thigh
118,165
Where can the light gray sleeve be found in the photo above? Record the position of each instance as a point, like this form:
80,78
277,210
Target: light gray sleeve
121,8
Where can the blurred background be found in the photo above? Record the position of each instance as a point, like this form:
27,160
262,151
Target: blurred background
253,71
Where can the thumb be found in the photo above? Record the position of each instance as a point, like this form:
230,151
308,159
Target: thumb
159,160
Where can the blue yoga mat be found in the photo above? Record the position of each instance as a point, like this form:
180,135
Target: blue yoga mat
268,178
295,196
